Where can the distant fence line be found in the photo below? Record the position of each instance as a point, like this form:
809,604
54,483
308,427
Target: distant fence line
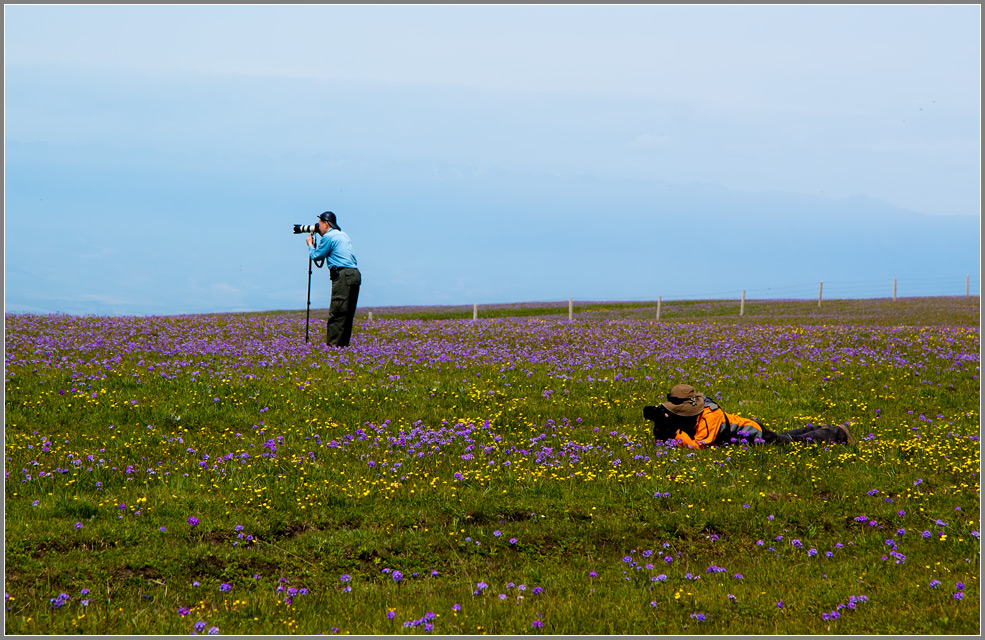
911,287
855,289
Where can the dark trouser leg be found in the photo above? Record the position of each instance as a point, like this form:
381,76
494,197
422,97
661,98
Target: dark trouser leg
345,291
350,311
818,433
824,433
799,434
772,437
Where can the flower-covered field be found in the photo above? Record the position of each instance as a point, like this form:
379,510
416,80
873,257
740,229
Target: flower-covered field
217,474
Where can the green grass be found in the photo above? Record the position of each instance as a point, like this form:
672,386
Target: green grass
954,310
904,374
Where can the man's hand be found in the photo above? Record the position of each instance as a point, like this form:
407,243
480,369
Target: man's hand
310,240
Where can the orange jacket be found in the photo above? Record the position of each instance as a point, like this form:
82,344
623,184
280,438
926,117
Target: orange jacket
715,427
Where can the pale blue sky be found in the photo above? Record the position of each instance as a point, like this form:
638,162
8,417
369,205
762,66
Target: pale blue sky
156,156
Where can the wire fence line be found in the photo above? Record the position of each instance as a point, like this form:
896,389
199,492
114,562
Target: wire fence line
969,285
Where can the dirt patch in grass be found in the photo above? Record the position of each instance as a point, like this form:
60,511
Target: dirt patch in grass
145,572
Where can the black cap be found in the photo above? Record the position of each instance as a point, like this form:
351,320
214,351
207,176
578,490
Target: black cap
329,217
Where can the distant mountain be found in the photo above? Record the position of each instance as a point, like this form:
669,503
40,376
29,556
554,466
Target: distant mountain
181,234
526,237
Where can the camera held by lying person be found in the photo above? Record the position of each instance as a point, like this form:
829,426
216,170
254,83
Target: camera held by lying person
689,419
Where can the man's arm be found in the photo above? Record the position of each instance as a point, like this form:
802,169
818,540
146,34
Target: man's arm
689,442
319,251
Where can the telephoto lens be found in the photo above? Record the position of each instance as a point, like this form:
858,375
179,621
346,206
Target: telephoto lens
305,228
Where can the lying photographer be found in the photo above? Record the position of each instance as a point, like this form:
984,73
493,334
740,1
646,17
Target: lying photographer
696,422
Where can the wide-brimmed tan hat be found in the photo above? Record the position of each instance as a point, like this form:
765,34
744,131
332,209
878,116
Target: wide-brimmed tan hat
684,400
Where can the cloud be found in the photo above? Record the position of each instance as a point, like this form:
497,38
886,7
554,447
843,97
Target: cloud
223,296
103,299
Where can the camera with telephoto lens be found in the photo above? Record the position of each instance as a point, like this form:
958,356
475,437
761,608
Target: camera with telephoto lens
305,228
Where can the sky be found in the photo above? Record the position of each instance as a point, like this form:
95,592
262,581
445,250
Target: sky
155,157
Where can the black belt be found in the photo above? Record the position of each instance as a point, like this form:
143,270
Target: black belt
333,271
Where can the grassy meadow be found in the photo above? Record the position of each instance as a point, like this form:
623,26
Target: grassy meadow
217,474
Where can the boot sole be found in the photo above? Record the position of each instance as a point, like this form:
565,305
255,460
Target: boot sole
848,434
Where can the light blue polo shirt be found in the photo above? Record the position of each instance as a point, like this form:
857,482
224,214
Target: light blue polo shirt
336,247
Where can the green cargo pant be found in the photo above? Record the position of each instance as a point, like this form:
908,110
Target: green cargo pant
345,293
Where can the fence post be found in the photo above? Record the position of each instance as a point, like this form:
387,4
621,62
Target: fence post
370,316
571,309
659,298
820,288
967,286
475,311
894,289
742,303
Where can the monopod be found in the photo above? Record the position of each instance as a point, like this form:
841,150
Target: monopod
307,313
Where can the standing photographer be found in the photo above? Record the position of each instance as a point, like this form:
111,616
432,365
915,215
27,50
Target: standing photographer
335,247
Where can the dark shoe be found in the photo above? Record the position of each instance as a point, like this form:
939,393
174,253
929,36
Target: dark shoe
843,431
